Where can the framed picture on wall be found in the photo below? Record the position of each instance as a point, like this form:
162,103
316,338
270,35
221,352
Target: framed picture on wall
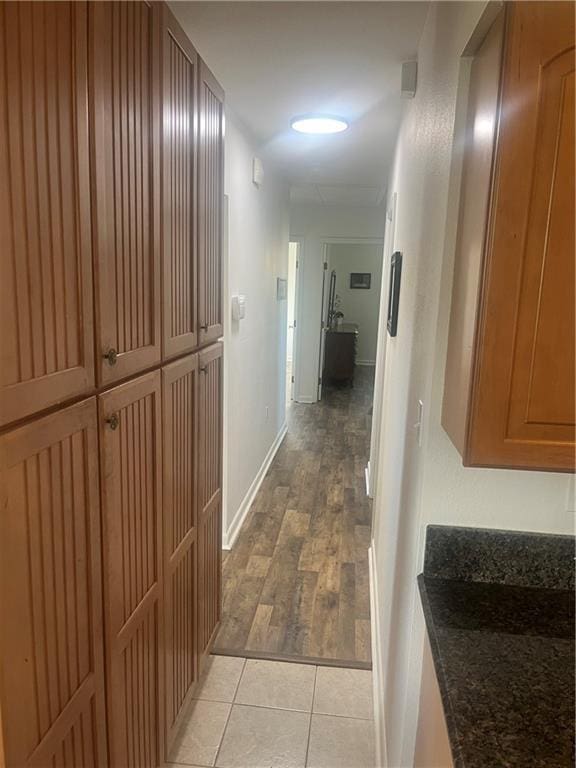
394,292
360,279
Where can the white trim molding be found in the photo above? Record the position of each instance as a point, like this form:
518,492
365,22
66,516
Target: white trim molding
229,536
377,676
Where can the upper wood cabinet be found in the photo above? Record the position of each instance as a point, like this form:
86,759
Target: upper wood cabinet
131,473
179,166
52,681
210,205
209,493
46,328
509,398
125,62
180,429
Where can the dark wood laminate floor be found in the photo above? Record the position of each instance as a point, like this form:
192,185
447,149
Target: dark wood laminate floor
296,581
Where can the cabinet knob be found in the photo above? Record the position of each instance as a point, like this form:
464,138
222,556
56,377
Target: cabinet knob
113,422
111,356
204,327
202,369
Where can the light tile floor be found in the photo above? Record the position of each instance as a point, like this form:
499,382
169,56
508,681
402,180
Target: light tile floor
249,713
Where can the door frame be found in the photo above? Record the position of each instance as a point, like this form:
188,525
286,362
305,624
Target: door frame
325,243
295,381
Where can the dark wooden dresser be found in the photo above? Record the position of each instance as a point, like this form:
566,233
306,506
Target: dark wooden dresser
340,354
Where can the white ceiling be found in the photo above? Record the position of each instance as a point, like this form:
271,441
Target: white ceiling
276,60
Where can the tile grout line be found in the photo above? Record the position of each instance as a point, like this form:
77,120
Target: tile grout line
310,720
229,714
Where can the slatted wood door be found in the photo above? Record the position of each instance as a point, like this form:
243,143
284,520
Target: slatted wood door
180,409
126,195
46,327
52,680
131,468
179,126
209,494
210,203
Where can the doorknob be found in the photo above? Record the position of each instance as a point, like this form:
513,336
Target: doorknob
111,356
113,422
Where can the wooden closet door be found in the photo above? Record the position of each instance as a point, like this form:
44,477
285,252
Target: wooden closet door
52,678
209,494
524,410
131,468
125,55
46,346
180,423
210,203
180,77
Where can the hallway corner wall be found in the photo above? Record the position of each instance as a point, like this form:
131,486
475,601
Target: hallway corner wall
419,485
254,383
314,224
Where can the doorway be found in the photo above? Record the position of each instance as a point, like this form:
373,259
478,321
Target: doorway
349,309
292,303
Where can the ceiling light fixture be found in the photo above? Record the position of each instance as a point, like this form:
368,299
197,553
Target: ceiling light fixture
319,124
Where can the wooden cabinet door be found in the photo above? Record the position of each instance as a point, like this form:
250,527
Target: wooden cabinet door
125,58
210,204
209,494
523,398
52,678
180,421
46,346
179,211
131,469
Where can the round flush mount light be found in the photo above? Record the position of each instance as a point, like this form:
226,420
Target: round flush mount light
319,124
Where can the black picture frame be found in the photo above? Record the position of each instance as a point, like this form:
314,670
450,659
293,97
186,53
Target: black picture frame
394,292
361,280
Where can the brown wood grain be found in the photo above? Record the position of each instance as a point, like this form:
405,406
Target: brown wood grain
131,479
295,584
210,204
179,166
46,325
180,432
125,111
52,685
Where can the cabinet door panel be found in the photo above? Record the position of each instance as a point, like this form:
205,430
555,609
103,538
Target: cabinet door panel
180,65
523,414
126,199
52,684
210,203
209,494
46,346
130,446
180,395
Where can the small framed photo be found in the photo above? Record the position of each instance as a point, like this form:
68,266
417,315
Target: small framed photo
394,292
360,279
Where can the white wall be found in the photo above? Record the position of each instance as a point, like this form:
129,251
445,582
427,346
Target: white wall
314,225
417,486
255,347
359,305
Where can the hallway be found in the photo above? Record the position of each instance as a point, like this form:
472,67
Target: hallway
295,583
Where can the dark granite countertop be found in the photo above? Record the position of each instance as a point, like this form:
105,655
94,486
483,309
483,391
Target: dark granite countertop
503,652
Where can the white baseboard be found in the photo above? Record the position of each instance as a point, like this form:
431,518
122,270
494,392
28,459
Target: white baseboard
377,676
365,362
229,536
305,399
367,479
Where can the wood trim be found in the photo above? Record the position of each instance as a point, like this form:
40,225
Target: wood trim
180,184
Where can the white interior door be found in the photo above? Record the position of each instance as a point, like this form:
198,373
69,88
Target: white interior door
323,317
